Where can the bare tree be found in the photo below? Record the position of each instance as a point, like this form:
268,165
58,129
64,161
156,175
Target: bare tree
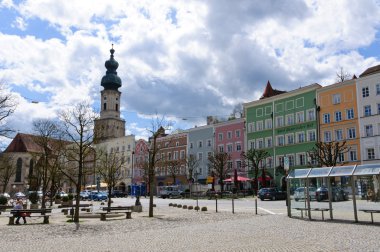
328,153
7,169
48,138
7,107
109,167
156,131
342,75
77,126
218,163
253,159
192,164
173,167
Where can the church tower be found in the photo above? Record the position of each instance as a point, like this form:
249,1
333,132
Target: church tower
110,125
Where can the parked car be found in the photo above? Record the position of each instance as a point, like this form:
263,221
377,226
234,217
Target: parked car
118,194
84,195
6,195
338,194
62,194
171,192
300,193
272,194
98,196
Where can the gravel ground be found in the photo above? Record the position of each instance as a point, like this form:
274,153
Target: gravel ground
175,229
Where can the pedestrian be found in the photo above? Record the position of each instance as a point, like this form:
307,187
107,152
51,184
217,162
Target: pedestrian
369,195
18,215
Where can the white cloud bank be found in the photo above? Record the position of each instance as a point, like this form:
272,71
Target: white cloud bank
182,58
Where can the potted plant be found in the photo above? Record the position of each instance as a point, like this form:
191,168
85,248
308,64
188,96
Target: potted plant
3,200
33,198
71,197
65,200
58,199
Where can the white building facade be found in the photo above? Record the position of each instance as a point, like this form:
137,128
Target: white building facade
368,97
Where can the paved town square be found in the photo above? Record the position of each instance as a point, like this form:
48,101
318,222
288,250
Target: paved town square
177,229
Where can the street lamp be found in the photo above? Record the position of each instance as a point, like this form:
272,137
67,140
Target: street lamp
196,181
133,153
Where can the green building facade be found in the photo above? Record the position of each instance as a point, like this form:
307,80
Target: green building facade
285,125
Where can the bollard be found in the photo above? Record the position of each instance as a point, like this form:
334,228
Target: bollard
233,206
256,205
216,202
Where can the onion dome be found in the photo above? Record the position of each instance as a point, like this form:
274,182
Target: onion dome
111,80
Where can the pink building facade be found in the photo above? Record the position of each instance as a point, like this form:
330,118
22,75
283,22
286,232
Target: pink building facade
229,137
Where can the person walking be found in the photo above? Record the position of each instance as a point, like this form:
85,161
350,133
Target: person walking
19,206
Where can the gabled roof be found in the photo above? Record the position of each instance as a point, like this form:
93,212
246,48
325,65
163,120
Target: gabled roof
371,70
28,143
269,91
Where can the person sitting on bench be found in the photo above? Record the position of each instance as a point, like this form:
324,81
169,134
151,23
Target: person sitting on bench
19,206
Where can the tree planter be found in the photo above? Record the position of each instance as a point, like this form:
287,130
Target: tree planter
34,206
137,209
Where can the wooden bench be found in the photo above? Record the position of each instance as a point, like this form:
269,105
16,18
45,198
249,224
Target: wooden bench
4,208
371,211
45,213
119,209
322,210
83,207
301,209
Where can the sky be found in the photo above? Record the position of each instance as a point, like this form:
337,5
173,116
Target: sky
181,60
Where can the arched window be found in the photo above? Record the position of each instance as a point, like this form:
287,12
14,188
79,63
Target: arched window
117,107
104,106
18,170
31,164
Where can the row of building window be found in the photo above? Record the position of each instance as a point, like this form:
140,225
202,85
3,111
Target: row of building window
281,140
338,116
350,134
290,119
200,144
367,110
365,91
230,147
229,135
173,155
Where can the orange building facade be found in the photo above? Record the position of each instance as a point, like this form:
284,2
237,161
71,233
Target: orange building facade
338,118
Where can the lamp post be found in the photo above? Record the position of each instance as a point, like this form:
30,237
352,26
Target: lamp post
133,153
196,181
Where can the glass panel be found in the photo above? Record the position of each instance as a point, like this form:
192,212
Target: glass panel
342,171
298,173
319,172
367,169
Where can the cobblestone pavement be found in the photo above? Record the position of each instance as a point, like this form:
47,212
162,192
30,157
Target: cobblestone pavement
176,229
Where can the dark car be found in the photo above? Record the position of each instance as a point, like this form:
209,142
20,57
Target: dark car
272,194
118,194
98,196
338,194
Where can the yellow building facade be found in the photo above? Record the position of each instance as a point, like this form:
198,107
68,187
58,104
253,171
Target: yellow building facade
338,118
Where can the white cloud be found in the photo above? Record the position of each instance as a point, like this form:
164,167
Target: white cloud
185,58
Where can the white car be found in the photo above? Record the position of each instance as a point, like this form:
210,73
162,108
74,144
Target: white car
300,193
6,195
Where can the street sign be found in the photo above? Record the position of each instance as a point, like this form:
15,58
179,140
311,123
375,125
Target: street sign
286,163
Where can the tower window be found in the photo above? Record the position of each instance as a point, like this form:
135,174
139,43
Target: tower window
104,106
117,99
105,98
117,107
